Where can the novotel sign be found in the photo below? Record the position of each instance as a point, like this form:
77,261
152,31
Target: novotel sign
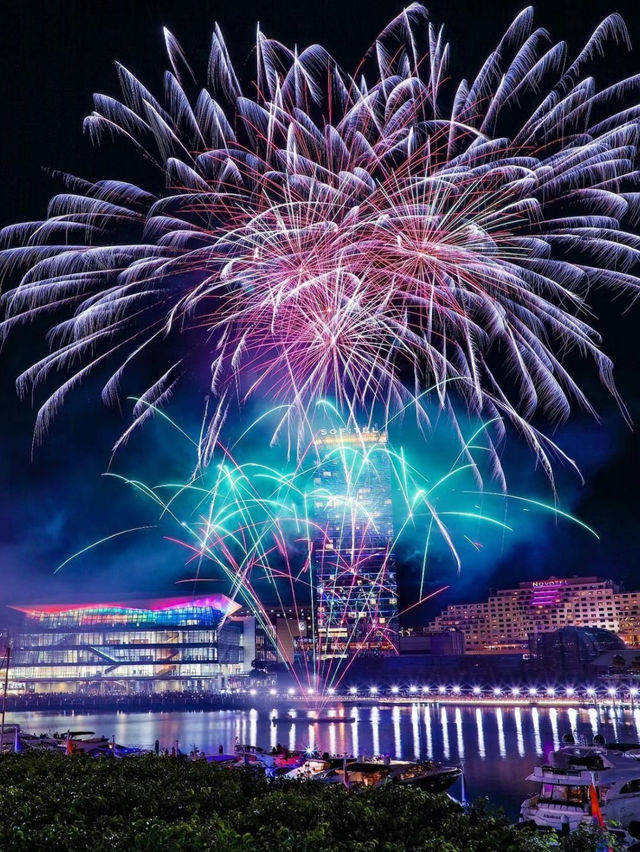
537,583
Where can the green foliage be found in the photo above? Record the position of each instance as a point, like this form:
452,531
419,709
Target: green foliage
53,803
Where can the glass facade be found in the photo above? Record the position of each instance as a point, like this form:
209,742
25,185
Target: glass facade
180,644
355,578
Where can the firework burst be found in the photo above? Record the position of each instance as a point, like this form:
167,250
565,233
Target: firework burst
311,546
359,236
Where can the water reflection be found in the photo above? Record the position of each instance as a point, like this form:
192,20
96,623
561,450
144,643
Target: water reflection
519,734
593,719
501,740
553,716
572,713
253,726
535,718
375,729
445,733
355,736
427,726
415,730
333,749
614,720
397,738
498,745
460,738
480,729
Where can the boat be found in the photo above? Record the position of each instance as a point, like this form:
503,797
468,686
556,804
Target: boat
85,742
73,742
580,783
221,759
426,775
312,765
9,738
35,742
276,760
127,751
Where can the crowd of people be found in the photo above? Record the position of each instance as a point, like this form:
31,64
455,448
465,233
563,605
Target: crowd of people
151,700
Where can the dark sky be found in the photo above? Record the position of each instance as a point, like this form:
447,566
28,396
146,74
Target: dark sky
54,56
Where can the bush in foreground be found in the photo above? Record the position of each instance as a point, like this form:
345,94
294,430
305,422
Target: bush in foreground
53,803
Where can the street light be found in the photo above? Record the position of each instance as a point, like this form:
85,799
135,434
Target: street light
533,690
497,691
413,689
353,690
373,690
476,690
456,690
442,690
331,691
395,690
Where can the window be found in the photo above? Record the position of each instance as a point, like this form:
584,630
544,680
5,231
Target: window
564,793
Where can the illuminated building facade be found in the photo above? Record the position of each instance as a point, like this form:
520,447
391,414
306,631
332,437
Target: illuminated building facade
125,648
284,634
352,562
512,617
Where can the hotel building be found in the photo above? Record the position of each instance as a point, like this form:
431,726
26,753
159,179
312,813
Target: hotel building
353,565
131,647
511,618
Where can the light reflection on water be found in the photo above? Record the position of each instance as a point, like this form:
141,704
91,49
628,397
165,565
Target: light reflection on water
498,746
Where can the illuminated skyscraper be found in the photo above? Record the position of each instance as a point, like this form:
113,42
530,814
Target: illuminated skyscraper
353,564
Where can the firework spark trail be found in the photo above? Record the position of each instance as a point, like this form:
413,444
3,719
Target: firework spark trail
357,236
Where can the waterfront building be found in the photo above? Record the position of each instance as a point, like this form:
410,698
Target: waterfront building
284,633
351,548
571,651
445,643
131,647
621,664
510,618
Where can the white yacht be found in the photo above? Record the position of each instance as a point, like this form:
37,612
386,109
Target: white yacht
571,779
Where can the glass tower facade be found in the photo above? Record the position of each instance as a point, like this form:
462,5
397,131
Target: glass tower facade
156,646
352,558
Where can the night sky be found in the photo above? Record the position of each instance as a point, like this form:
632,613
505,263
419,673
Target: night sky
55,501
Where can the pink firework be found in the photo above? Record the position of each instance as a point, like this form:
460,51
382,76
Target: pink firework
359,237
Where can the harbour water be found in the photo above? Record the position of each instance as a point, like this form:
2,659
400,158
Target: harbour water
497,746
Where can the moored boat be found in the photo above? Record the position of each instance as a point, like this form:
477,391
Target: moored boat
426,775
278,758
580,784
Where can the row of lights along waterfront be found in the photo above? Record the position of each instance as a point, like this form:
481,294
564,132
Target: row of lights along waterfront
448,692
